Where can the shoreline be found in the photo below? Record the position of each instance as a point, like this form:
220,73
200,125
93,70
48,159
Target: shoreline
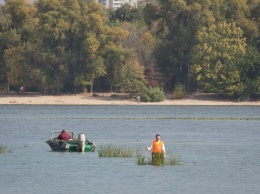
197,99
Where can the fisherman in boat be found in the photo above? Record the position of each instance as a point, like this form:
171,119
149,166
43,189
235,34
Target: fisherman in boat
157,147
64,136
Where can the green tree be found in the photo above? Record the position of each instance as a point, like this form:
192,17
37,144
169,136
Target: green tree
116,58
18,24
126,13
143,42
216,57
58,45
249,69
132,77
74,41
176,24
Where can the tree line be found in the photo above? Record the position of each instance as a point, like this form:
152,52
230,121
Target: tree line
74,45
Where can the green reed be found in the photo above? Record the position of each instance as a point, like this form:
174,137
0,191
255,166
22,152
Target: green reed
173,160
112,151
5,149
158,160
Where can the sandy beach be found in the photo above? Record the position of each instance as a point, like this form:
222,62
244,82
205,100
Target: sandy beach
117,99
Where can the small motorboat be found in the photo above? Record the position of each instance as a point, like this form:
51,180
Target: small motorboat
75,144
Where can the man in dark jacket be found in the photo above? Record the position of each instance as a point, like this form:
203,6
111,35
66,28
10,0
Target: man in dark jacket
64,135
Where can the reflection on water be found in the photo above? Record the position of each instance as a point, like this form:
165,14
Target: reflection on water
219,156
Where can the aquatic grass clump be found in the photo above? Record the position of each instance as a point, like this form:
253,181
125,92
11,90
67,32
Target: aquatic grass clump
5,149
112,151
172,160
158,159
141,160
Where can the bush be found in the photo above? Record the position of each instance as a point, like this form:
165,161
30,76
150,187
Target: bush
179,91
145,98
152,95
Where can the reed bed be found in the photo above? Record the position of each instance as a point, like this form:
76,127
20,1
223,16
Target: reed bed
127,152
158,160
112,151
5,149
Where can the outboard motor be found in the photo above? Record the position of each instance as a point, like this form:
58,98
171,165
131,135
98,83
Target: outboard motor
81,144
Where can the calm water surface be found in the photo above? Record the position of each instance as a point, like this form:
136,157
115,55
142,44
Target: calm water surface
219,147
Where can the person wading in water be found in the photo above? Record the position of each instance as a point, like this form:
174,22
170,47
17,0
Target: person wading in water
158,149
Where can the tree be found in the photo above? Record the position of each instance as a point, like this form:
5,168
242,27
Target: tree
142,41
18,68
126,13
74,41
58,47
131,77
18,23
116,58
176,24
216,56
249,69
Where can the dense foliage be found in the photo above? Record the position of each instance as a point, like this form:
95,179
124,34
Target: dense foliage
219,50
152,94
70,45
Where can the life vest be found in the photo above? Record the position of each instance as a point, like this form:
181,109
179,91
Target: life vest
157,146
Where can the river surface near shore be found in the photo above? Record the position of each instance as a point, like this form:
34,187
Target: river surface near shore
218,145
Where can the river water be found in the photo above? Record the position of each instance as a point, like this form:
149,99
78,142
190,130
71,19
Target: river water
218,145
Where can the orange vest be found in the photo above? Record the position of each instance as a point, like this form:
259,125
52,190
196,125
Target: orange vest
157,146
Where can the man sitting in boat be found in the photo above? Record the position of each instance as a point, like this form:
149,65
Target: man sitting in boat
64,136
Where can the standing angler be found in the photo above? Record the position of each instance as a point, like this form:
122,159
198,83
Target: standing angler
158,150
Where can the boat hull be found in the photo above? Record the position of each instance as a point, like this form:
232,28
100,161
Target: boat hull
69,146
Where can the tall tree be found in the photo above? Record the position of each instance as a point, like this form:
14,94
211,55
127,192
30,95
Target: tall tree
74,40
216,58
17,29
177,22
142,41
116,58
132,77
126,13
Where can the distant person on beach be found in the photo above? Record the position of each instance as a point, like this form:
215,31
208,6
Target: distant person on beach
157,145
22,89
64,136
